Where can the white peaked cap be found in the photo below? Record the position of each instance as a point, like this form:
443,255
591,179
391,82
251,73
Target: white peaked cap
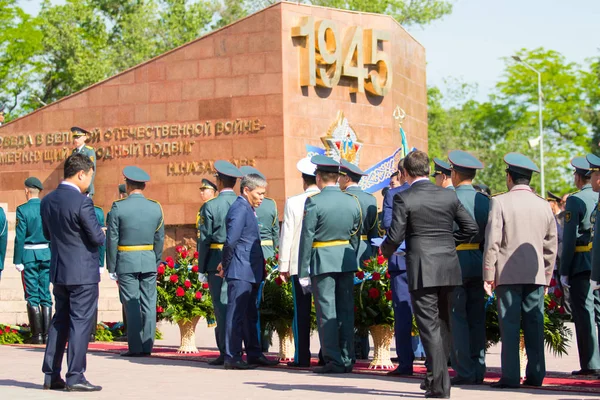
306,166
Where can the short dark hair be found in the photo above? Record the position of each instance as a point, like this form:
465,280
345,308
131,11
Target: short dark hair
227,181
328,177
384,191
519,179
309,180
584,176
75,163
401,166
135,185
465,174
416,163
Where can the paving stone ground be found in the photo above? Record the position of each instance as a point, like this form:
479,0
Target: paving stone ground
150,378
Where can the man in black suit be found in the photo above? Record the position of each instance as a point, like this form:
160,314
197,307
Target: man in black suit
424,216
69,222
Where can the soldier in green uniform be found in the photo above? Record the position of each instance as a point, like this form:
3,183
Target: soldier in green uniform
350,175
80,136
467,318
3,239
211,236
32,258
135,240
102,253
594,162
122,338
329,244
576,266
442,173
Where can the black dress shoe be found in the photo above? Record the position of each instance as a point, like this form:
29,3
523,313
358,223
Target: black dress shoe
84,386
502,385
458,381
394,359
527,382
424,386
238,365
329,369
217,361
294,364
262,360
584,372
435,395
400,372
58,384
131,354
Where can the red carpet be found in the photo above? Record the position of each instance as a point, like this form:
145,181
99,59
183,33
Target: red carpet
555,381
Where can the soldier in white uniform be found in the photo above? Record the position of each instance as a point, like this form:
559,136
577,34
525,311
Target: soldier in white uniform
288,261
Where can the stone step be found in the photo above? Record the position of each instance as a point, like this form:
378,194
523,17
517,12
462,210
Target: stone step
21,317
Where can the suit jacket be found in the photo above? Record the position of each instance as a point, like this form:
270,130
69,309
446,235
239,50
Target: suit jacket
424,216
577,232
242,254
520,239
135,221
29,231
329,216
396,262
211,230
69,222
293,212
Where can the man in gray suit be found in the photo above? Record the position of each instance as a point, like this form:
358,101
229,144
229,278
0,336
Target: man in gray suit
520,251
424,215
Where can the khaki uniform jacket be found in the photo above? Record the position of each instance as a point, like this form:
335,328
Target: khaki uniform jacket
520,239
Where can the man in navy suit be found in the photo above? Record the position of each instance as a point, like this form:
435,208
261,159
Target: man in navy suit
243,269
400,295
69,222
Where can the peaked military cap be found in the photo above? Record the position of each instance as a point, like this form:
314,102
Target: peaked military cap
594,162
326,164
206,184
135,174
347,168
581,165
226,168
463,161
122,188
440,167
306,167
554,197
520,164
33,182
77,131
247,170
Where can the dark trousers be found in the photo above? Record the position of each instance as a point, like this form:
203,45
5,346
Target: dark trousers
432,312
402,320
73,321
218,294
241,320
138,294
301,323
521,305
468,330
36,283
334,303
584,310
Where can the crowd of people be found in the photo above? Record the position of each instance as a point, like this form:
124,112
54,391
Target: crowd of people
447,244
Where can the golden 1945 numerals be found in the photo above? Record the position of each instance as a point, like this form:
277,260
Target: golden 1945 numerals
324,60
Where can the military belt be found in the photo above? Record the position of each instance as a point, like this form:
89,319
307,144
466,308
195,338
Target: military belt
330,243
216,246
266,243
141,247
583,249
467,246
364,237
36,246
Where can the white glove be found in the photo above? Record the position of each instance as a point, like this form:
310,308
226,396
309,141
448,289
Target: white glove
304,282
202,278
113,276
19,267
564,280
101,270
595,285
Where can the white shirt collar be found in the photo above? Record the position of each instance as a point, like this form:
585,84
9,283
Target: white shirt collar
312,189
70,184
81,147
226,190
420,179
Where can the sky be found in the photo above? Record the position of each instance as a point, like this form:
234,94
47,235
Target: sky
470,43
